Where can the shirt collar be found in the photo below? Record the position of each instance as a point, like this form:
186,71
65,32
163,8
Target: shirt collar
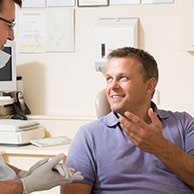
162,114
111,119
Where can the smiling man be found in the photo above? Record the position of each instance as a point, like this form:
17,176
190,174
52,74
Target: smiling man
137,148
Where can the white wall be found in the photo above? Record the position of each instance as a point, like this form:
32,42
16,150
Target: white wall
67,83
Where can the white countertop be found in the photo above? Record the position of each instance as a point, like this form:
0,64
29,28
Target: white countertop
34,150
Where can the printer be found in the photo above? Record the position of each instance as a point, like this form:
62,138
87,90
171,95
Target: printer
19,132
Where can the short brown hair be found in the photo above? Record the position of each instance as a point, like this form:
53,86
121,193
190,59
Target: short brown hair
147,62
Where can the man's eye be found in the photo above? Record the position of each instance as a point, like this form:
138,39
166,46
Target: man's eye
10,26
108,79
124,78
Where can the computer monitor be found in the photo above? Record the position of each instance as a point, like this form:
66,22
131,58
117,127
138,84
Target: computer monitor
8,72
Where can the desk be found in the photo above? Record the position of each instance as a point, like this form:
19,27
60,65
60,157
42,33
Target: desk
25,156
33,150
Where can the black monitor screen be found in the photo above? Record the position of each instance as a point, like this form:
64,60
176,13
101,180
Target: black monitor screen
6,71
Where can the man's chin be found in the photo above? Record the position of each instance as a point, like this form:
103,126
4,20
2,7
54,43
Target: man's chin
118,110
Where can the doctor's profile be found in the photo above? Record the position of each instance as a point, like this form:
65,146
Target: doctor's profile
46,173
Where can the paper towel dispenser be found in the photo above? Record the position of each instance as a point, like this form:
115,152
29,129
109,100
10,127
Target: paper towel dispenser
112,33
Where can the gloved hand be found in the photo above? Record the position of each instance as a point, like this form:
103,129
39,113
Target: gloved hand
24,173
68,173
47,176
62,169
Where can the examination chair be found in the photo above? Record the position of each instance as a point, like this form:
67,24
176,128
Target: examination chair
101,103
102,108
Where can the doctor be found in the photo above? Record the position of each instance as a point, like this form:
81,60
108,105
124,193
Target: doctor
45,174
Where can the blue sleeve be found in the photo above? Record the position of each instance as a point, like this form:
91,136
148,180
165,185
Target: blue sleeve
189,133
80,156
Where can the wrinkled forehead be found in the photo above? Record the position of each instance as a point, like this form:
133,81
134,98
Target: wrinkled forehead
125,61
124,64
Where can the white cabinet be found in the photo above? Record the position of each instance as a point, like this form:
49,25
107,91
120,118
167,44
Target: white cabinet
186,25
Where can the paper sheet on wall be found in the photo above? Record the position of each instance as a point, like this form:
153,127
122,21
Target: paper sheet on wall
124,2
94,2
157,1
34,3
60,30
32,31
60,3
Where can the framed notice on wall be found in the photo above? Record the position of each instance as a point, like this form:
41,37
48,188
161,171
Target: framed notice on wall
157,1
124,2
55,3
60,30
92,3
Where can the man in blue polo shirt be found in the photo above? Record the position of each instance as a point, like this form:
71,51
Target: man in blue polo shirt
137,148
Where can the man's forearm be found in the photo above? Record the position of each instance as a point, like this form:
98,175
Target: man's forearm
178,161
10,187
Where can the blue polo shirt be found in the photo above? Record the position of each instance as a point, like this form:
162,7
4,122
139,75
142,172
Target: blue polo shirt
112,164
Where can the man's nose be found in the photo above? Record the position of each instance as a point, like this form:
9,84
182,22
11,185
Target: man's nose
11,35
115,84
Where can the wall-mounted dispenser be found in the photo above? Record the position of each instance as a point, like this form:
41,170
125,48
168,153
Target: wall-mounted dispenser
112,33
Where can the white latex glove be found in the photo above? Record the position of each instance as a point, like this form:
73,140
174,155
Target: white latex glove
68,173
44,177
62,169
24,173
